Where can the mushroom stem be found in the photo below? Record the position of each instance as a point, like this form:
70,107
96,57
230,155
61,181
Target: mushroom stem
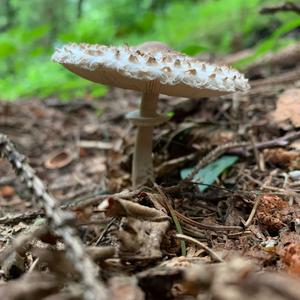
142,167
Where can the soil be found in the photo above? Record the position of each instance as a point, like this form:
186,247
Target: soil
247,220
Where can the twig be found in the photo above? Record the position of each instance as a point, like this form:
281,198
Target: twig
288,6
266,187
188,220
25,217
212,254
96,145
235,234
253,212
172,164
211,227
7,180
105,230
288,55
173,214
211,156
78,203
278,142
286,77
255,151
194,232
33,266
59,220
96,199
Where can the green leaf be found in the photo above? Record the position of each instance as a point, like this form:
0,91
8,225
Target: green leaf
269,44
7,48
210,173
170,114
193,49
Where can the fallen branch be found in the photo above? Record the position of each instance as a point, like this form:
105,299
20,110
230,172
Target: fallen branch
278,142
286,56
59,221
288,6
284,78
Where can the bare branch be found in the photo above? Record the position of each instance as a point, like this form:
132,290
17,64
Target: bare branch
288,6
60,221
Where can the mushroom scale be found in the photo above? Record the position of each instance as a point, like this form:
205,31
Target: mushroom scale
151,68
129,67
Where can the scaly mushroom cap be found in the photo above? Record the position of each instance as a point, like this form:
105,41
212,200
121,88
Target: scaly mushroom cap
132,68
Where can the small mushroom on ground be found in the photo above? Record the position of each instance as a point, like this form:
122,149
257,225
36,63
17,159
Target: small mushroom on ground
151,68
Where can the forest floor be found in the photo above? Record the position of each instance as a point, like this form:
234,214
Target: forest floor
239,238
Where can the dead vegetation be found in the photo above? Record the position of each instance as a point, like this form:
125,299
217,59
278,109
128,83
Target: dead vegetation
89,236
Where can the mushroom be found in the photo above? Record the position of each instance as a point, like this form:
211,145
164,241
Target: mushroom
153,46
151,68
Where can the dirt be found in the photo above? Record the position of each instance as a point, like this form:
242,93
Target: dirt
82,150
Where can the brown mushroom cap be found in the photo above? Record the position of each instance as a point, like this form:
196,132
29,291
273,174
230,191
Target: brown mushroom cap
153,46
132,68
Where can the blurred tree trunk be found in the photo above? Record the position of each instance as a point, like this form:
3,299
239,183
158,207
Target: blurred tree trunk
79,8
55,13
158,5
10,14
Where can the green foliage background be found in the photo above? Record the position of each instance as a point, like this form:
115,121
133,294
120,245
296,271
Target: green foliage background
31,29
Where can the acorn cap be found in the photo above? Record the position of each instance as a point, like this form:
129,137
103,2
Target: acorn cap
132,68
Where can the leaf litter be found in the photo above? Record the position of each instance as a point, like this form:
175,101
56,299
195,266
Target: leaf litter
246,216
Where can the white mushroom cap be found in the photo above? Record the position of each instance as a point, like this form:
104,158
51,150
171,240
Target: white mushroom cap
131,68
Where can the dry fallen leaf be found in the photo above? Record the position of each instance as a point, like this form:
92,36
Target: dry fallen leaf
282,158
32,286
125,288
291,257
287,109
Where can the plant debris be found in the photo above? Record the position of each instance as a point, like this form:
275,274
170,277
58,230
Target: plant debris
287,109
75,229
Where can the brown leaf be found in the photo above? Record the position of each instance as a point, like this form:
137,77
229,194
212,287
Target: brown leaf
115,207
33,286
125,288
291,257
13,266
282,158
58,263
287,108
141,238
